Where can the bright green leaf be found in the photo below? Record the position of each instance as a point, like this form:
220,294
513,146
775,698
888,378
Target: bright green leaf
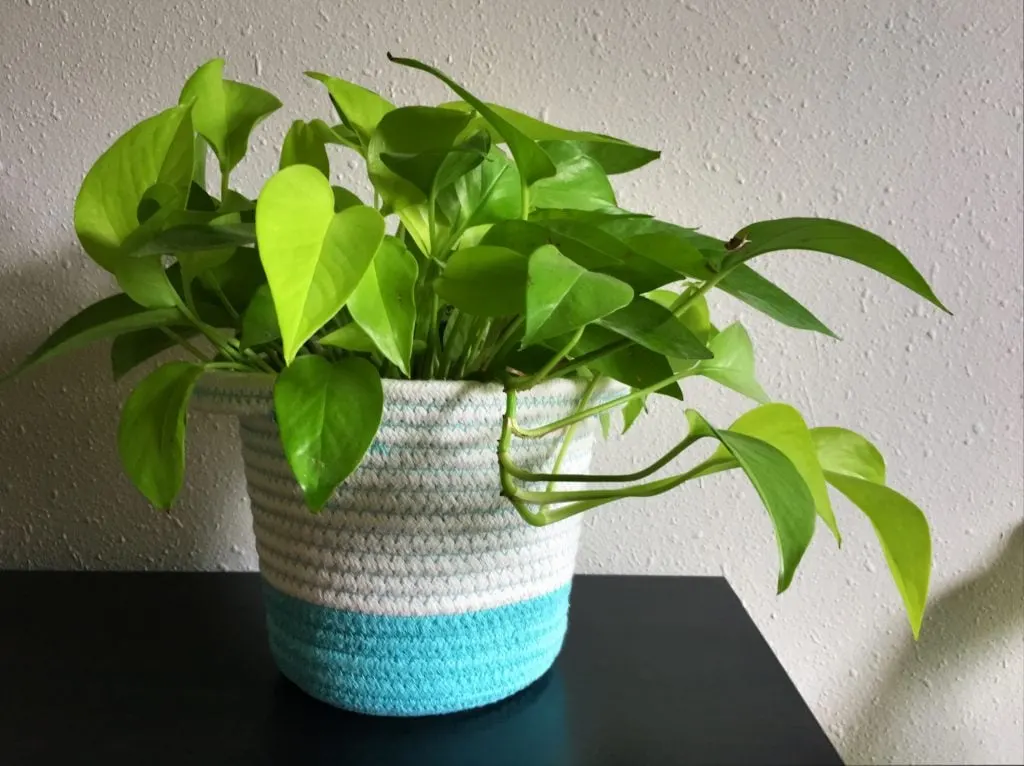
306,144
328,414
145,281
578,184
350,337
384,303
259,322
225,112
360,109
655,327
486,194
903,533
779,484
156,151
313,257
833,237
562,296
632,410
733,363
485,281
848,453
533,162
782,426
151,435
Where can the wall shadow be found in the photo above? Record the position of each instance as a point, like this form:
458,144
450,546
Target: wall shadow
960,623
64,500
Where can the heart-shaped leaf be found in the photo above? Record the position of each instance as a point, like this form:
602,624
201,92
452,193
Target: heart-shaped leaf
360,109
848,453
225,112
328,414
562,296
156,151
578,184
306,144
145,281
484,281
782,489
384,302
350,337
488,193
733,363
313,257
782,426
151,435
903,533
533,162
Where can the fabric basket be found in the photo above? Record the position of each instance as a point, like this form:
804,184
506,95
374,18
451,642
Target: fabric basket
418,589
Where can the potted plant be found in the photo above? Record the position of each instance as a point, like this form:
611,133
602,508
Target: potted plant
418,376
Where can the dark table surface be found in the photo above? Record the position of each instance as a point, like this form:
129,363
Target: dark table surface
174,669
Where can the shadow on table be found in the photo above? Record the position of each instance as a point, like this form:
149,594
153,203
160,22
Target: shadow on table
959,623
528,728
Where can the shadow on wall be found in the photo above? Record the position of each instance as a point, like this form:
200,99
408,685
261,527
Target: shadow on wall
959,625
64,501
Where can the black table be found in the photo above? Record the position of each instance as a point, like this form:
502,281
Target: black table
174,669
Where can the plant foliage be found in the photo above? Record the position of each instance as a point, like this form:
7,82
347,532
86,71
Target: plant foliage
493,250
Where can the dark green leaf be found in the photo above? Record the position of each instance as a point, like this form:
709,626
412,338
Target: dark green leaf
485,281
259,322
833,237
696,318
612,154
190,238
103,319
343,199
655,327
151,435
757,292
562,296
534,164
131,349
413,142
328,414
225,112
634,365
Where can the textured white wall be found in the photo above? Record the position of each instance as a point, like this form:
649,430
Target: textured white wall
904,117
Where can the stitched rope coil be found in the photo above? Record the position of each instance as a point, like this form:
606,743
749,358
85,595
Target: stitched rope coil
418,589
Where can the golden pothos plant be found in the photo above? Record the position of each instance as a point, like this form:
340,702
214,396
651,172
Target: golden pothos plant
493,250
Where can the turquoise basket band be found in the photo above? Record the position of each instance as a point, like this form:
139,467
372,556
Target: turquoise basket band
408,666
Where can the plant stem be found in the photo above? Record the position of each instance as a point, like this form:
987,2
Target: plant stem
503,345
219,292
536,433
567,437
522,384
227,366
184,343
224,183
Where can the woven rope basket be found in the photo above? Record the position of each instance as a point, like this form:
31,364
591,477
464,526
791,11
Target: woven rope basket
418,589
